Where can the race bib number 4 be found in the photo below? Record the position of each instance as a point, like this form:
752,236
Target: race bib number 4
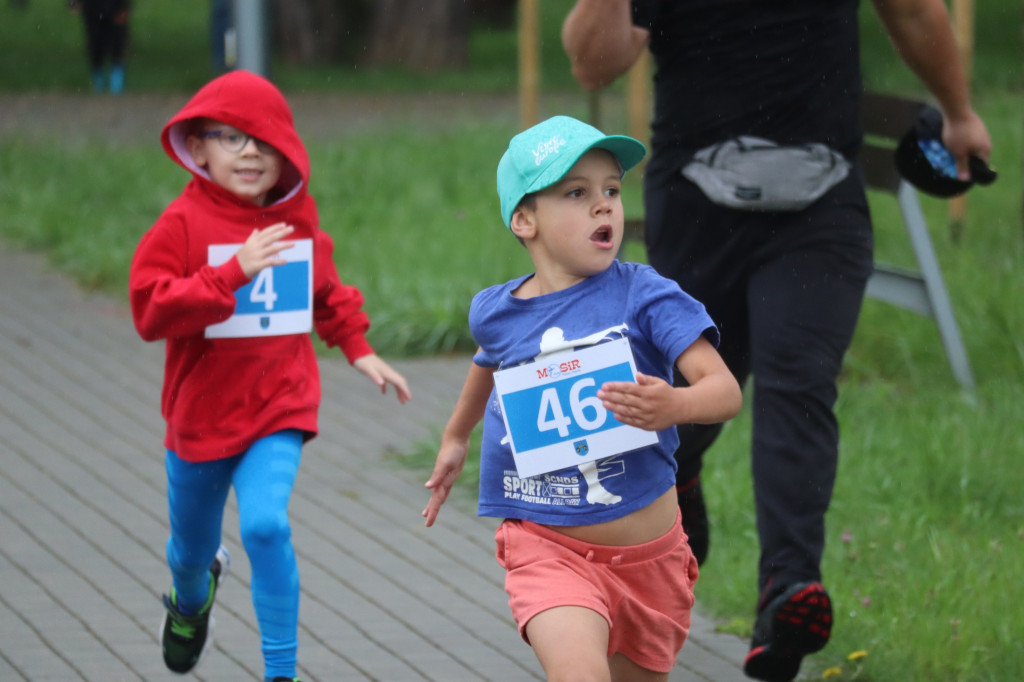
278,300
553,415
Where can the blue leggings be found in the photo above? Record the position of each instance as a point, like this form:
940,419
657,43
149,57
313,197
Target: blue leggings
263,477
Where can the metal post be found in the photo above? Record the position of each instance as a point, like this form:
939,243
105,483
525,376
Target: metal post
253,36
942,309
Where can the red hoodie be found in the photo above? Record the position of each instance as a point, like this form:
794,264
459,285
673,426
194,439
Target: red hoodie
222,394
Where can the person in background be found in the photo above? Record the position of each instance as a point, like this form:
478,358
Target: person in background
221,22
783,282
106,38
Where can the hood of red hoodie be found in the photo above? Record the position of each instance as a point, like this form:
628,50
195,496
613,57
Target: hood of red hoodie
253,105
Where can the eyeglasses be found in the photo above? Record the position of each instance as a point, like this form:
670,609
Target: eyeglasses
234,141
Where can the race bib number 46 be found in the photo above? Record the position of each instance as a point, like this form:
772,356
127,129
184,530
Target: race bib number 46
553,415
278,300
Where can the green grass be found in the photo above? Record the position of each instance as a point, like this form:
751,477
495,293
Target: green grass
418,248
44,47
44,50
996,63
927,524
926,531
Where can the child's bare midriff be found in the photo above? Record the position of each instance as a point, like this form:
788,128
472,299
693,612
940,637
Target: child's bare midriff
643,525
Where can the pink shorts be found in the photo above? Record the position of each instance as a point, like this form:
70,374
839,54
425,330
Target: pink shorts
644,592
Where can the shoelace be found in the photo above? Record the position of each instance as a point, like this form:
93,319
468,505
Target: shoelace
182,629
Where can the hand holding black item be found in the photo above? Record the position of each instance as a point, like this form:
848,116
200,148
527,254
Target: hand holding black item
924,161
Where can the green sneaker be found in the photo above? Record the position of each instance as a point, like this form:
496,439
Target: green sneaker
184,638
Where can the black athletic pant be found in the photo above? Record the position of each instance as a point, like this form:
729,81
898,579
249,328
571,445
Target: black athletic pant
106,31
785,290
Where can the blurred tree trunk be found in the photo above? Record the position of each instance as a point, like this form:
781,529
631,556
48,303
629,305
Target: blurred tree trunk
425,35
494,13
319,31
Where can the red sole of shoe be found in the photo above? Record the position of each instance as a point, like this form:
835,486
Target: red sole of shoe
801,626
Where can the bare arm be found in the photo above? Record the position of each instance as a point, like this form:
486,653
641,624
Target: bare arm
921,32
382,374
451,456
652,404
601,41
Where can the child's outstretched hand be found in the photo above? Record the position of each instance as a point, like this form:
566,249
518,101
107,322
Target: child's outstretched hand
381,374
450,460
262,247
650,404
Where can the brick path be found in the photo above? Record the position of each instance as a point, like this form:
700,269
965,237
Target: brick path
83,519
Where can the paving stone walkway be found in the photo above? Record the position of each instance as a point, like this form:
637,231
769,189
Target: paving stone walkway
83,517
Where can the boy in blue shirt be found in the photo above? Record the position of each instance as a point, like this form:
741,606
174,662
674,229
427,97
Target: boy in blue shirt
598,571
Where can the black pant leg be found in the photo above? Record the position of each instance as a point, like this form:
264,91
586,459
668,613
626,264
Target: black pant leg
117,32
95,43
106,28
785,290
805,299
704,248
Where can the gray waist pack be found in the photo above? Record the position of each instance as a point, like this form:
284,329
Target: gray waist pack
753,174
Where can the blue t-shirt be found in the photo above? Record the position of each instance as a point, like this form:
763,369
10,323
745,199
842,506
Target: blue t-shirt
627,300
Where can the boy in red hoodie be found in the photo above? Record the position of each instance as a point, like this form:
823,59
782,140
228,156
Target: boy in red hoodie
233,275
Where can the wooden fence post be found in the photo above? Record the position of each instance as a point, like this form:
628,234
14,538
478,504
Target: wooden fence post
963,28
529,62
638,98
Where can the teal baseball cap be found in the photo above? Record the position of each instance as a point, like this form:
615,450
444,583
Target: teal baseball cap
540,156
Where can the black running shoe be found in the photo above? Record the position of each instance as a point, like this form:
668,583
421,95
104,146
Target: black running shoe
795,623
695,518
184,638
